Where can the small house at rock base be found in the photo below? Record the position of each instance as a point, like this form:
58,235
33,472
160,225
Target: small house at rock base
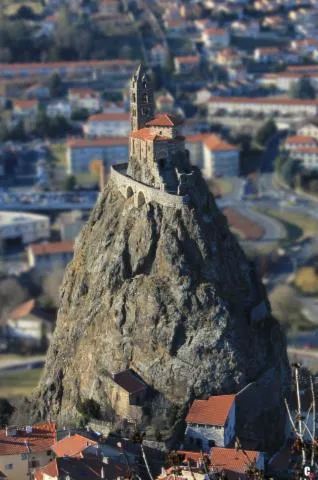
128,394
211,422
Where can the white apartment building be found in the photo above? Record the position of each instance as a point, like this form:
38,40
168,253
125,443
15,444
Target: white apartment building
81,152
23,227
59,109
211,422
309,130
308,156
186,64
213,155
47,256
285,80
266,105
84,98
214,37
295,142
111,124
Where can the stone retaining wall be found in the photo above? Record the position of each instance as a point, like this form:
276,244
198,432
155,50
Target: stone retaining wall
143,193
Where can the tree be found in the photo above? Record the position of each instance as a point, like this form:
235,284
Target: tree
25,12
69,183
6,410
285,306
289,170
56,86
11,295
303,88
265,132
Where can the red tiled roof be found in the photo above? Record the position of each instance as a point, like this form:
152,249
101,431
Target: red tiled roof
145,134
302,68
40,439
300,139
197,137
313,150
129,381
83,92
267,50
263,100
189,455
164,120
232,461
109,117
213,411
51,248
188,59
97,142
25,104
81,63
82,469
216,143
246,227
72,446
215,31
22,310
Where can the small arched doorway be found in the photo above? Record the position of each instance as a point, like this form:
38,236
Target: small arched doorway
140,199
129,192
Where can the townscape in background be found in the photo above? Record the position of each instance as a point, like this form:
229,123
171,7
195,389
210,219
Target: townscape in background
243,77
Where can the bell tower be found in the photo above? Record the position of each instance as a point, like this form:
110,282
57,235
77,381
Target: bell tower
141,99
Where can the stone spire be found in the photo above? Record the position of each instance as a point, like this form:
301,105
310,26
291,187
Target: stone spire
141,99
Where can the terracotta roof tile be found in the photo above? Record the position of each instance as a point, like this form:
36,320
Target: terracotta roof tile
109,117
72,446
40,439
145,134
82,469
231,460
97,142
213,411
216,143
263,100
164,120
25,104
51,248
129,381
300,139
188,59
22,310
69,65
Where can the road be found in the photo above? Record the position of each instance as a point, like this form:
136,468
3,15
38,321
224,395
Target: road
34,201
19,364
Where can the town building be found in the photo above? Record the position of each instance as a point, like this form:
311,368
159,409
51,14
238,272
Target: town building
107,125
285,80
235,463
82,152
29,325
277,106
73,468
60,108
214,156
75,446
215,38
267,54
186,64
308,156
45,257
17,228
295,142
109,7
127,394
309,129
159,55
97,68
22,450
211,422
25,108
85,98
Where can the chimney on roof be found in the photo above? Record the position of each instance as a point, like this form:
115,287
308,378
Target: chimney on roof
102,473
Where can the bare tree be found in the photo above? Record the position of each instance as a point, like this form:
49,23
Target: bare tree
12,294
285,305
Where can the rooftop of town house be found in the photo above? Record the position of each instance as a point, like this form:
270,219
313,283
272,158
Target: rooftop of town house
97,142
234,462
17,440
213,411
109,117
164,120
51,248
129,381
72,446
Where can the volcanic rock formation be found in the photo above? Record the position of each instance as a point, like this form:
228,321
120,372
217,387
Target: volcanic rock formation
159,284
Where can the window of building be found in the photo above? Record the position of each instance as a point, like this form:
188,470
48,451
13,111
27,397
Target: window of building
34,463
24,456
8,466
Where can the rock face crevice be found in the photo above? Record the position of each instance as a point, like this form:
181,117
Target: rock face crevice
167,292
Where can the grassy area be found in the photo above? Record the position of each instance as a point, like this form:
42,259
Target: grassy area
12,8
21,383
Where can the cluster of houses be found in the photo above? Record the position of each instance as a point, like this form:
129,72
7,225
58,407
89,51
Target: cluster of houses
211,445
303,145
